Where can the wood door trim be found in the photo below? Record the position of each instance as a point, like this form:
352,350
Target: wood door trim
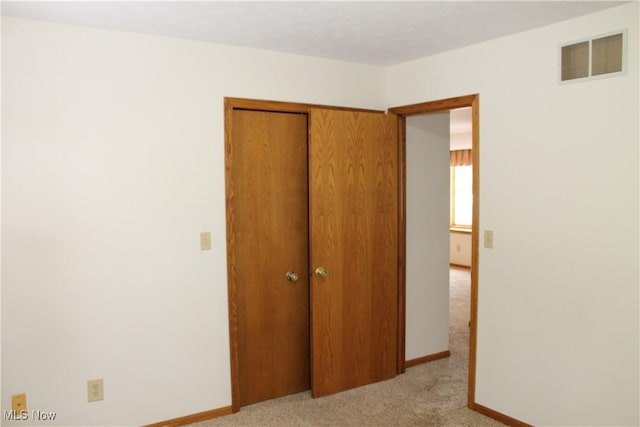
193,418
426,359
433,107
402,242
504,419
284,107
231,103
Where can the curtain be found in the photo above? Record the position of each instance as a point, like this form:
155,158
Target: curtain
460,158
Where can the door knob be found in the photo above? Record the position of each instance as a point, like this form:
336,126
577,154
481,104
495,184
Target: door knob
292,276
321,272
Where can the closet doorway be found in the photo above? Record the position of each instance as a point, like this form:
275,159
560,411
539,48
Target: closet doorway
312,197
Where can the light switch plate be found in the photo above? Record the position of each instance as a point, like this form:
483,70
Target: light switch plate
488,239
205,241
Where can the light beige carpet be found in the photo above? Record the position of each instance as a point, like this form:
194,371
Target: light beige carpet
432,394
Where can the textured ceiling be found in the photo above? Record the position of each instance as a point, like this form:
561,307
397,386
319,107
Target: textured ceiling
380,33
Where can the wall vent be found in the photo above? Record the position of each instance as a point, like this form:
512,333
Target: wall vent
595,57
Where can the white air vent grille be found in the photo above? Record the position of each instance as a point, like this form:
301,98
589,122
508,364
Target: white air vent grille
598,56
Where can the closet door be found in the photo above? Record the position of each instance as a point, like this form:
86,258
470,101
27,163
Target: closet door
353,214
268,209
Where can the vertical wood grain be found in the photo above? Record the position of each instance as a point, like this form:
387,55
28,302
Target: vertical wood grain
232,187
402,243
269,208
231,254
353,160
475,244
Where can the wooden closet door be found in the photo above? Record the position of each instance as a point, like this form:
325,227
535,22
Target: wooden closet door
353,209
268,206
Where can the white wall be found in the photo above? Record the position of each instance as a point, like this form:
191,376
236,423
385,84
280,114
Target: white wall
558,295
427,280
461,140
460,248
113,163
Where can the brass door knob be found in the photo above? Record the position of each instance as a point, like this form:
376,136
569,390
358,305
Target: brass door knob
292,276
321,272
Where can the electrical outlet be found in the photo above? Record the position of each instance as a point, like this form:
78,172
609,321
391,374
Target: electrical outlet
205,241
19,402
95,390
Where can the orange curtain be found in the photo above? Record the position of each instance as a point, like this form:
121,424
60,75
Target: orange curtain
460,158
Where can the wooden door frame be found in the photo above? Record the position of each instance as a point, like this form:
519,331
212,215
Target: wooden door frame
259,105
425,108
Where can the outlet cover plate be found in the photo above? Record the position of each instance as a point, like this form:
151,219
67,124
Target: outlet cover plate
19,402
95,390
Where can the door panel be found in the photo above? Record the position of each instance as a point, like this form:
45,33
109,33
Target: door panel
353,208
269,210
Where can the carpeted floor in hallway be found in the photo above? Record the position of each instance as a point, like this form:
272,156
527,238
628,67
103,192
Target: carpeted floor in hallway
432,394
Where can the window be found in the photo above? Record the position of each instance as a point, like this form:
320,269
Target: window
461,189
595,57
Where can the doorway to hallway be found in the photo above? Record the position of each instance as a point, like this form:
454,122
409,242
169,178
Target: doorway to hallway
445,106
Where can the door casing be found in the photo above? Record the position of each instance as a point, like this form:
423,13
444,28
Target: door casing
442,105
